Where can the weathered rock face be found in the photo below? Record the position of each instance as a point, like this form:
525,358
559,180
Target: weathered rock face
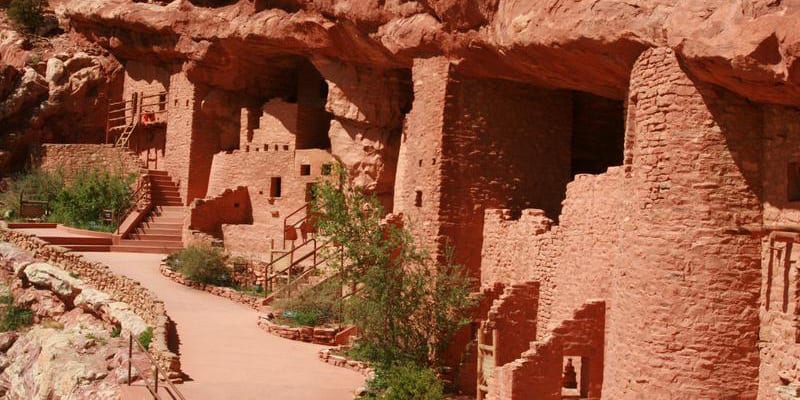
52,90
750,47
70,352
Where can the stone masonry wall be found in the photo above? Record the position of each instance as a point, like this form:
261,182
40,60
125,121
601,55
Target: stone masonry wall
238,168
418,176
505,145
144,302
572,261
780,295
180,122
70,158
684,314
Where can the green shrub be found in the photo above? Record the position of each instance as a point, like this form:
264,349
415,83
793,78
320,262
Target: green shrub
37,185
82,202
116,331
14,317
405,382
26,14
146,337
203,263
317,306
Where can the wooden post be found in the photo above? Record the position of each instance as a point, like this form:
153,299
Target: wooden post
155,378
130,355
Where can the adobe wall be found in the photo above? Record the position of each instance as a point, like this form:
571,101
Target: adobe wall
537,374
684,310
572,261
421,143
780,294
473,144
145,77
229,207
254,170
182,107
70,158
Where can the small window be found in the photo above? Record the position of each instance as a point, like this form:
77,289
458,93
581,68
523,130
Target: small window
419,163
275,186
418,199
305,169
793,181
286,147
266,147
276,147
326,169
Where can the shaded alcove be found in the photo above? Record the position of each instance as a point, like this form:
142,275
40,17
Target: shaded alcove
598,133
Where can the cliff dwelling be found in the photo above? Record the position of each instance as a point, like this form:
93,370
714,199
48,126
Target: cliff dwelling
618,183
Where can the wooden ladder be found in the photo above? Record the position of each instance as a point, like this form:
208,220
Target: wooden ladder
122,140
487,360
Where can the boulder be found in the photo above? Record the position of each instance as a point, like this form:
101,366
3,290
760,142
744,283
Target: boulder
46,276
55,71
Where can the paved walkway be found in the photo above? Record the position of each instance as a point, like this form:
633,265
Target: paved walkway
223,351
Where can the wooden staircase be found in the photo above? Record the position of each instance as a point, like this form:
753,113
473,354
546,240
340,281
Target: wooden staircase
297,268
161,230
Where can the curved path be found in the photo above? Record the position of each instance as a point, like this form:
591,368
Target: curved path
225,354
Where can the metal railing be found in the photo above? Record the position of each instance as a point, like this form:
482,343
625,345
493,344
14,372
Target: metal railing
158,373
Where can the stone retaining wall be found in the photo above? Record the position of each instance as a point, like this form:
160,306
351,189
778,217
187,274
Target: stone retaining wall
144,302
309,334
341,361
256,303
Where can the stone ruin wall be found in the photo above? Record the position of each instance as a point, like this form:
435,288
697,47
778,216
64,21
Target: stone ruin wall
692,172
779,334
70,158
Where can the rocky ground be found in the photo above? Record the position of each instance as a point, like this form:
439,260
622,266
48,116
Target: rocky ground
48,87
73,349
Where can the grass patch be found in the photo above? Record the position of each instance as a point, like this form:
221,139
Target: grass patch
317,306
14,317
146,337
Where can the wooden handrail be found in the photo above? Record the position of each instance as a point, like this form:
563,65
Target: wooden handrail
303,275
156,371
142,192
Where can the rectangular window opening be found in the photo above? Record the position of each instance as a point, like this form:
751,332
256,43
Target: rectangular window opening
574,378
793,181
305,169
418,198
275,186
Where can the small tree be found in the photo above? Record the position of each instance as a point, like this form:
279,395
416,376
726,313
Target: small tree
26,14
408,307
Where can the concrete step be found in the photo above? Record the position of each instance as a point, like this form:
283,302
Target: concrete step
145,236
150,231
92,248
37,225
157,225
150,243
146,249
160,219
157,172
170,203
72,240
